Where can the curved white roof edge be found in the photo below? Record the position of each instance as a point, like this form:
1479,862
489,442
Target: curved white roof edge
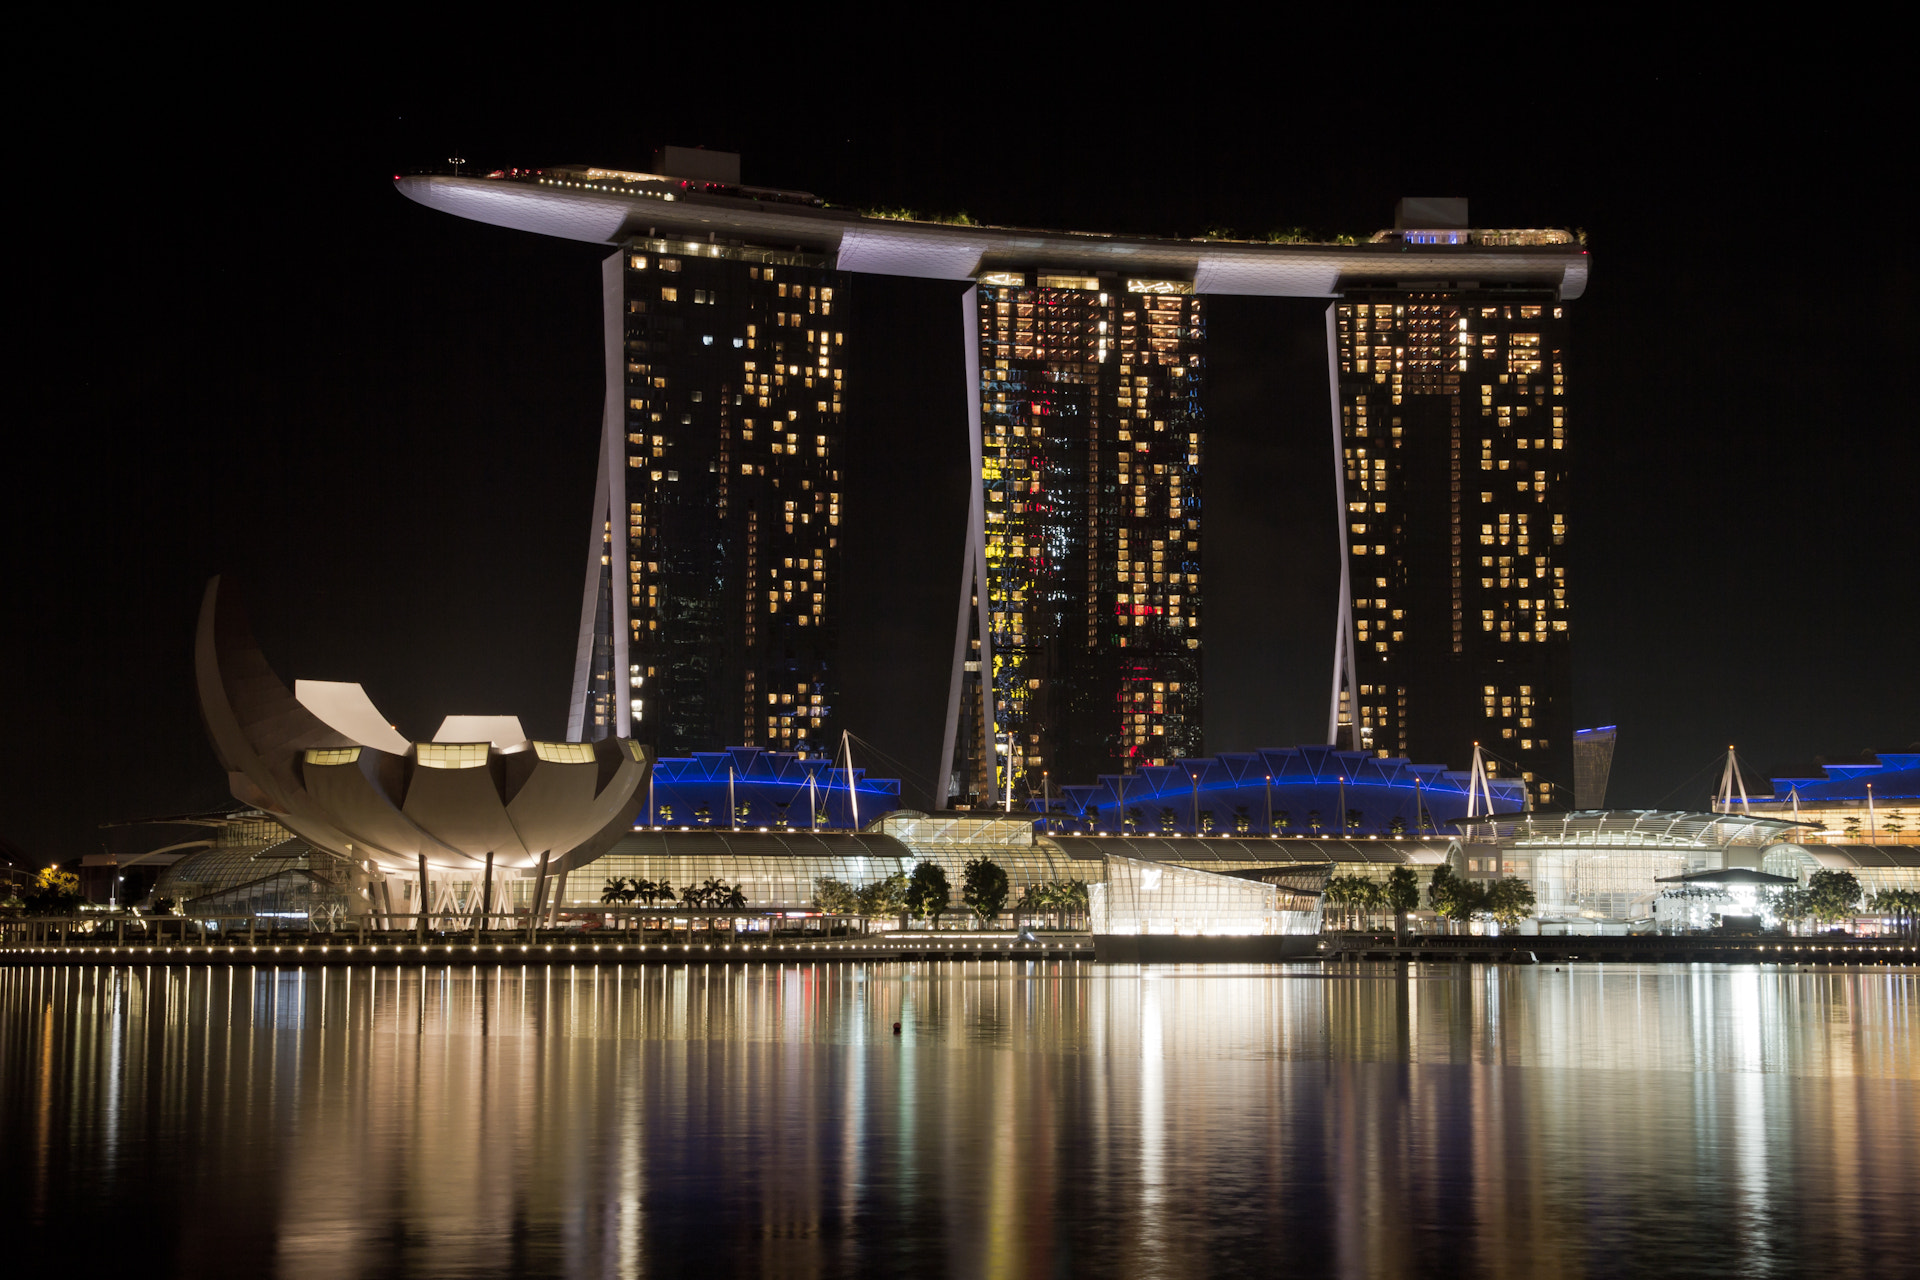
595,219
503,732
910,251
346,708
1303,275
933,251
1574,282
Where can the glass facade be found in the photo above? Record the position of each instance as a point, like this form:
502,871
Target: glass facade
1604,865
1876,867
1454,438
734,377
1092,437
1155,898
772,871
1011,842
257,866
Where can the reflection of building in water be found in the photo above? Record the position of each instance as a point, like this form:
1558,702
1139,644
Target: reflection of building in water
363,1120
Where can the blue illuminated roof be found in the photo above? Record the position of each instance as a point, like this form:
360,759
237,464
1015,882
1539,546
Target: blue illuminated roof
1893,776
1277,791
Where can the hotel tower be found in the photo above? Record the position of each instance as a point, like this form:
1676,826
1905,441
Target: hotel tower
1455,625
713,581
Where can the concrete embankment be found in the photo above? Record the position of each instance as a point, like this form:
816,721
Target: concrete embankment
1651,949
569,951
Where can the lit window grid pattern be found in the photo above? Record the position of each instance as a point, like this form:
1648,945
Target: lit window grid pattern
1091,453
1511,354
1157,898
750,422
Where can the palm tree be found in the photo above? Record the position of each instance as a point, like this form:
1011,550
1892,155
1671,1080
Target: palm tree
1403,895
1313,821
1374,898
1335,894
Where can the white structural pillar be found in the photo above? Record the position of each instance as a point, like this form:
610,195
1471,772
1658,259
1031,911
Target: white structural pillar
607,545
1731,784
973,567
422,906
1479,792
853,799
1343,677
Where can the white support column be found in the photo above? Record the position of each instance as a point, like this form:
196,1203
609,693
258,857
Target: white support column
1479,791
973,572
1731,783
607,546
956,685
1343,637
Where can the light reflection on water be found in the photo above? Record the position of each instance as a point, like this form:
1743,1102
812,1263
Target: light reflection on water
1028,1119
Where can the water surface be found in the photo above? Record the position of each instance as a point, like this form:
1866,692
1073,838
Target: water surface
1028,1119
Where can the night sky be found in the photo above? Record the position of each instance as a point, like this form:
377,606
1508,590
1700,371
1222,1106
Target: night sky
246,353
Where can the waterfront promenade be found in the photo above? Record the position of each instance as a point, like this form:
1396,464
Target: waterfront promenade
1639,949
547,946
24,947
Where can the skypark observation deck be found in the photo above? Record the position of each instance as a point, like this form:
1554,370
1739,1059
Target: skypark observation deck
610,207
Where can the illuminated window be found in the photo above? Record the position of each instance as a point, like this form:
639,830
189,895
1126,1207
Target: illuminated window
450,755
332,755
564,752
